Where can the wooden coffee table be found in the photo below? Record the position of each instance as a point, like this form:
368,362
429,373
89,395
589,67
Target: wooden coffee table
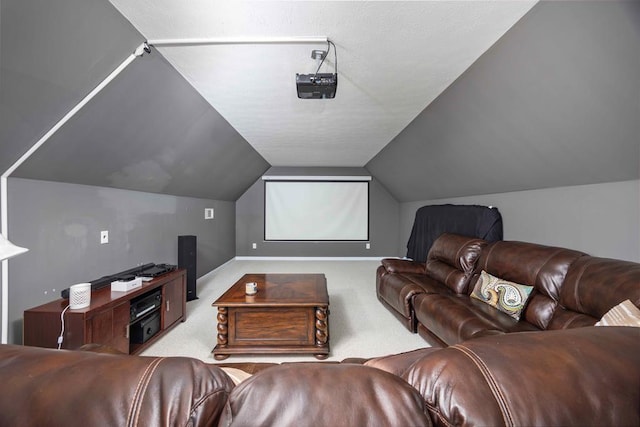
288,314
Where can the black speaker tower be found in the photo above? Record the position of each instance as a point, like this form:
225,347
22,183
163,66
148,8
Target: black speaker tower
187,260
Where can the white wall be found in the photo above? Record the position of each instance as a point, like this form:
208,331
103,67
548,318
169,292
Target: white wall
599,219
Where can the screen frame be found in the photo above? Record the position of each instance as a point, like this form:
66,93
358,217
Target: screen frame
298,179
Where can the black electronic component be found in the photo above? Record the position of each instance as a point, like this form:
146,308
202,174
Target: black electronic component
317,86
146,328
156,270
187,255
146,270
145,304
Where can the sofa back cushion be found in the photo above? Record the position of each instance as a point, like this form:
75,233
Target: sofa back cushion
584,376
592,287
77,388
530,264
324,394
452,260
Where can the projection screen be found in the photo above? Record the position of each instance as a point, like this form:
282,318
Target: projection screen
316,210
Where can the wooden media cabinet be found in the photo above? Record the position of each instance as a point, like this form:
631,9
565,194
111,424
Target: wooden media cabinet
109,320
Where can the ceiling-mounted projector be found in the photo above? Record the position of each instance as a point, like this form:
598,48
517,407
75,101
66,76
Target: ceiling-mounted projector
317,86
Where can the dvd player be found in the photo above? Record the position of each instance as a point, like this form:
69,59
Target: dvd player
145,304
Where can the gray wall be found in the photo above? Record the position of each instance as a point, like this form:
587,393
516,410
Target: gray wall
61,224
599,219
553,103
383,222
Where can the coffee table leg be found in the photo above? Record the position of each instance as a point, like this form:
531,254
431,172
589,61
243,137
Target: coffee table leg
322,330
223,332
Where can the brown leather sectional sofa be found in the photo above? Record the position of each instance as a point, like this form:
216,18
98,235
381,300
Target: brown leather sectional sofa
496,371
570,289
571,377
47,387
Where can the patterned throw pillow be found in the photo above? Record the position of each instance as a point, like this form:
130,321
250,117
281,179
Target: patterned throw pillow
508,297
623,314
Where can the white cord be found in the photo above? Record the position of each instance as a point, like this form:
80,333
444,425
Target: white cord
61,337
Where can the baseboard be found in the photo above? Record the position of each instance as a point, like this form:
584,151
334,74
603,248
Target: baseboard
277,258
204,277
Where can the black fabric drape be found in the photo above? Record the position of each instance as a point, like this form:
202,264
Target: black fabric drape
468,220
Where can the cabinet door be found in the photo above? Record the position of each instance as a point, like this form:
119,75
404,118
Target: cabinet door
121,316
174,301
109,327
100,330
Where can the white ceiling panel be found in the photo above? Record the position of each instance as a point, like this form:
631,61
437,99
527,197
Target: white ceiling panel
394,58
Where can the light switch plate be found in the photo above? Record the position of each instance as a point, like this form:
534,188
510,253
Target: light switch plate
104,237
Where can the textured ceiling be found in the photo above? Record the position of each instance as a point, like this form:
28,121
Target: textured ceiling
394,59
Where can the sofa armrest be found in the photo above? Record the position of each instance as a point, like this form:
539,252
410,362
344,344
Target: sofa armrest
324,394
63,387
398,265
574,377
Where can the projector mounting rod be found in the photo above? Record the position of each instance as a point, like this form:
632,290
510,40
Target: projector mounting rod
236,40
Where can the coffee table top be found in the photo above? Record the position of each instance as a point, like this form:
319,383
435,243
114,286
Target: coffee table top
277,289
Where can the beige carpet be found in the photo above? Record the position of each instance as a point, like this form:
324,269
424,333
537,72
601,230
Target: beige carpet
359,326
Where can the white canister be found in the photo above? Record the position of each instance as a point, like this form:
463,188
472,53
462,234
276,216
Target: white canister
251,288
79,296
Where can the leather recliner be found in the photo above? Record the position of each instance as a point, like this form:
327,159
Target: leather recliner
447,270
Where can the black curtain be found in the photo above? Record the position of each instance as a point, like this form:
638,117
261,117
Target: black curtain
468,220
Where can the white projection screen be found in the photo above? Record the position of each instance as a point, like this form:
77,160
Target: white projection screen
316,210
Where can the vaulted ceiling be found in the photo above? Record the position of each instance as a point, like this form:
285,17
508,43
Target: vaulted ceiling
394,58
436,99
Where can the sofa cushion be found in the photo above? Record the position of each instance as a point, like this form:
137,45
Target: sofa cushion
456,318
452,260
579,377
565,319
623,314
323,394
83,388
398,364
592,287
543,267
508,297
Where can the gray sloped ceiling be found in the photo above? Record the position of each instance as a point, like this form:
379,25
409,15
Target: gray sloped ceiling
148,130
555,102
52,54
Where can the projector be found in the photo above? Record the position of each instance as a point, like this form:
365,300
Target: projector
317,86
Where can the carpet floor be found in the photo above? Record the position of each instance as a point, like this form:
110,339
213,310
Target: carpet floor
359,326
